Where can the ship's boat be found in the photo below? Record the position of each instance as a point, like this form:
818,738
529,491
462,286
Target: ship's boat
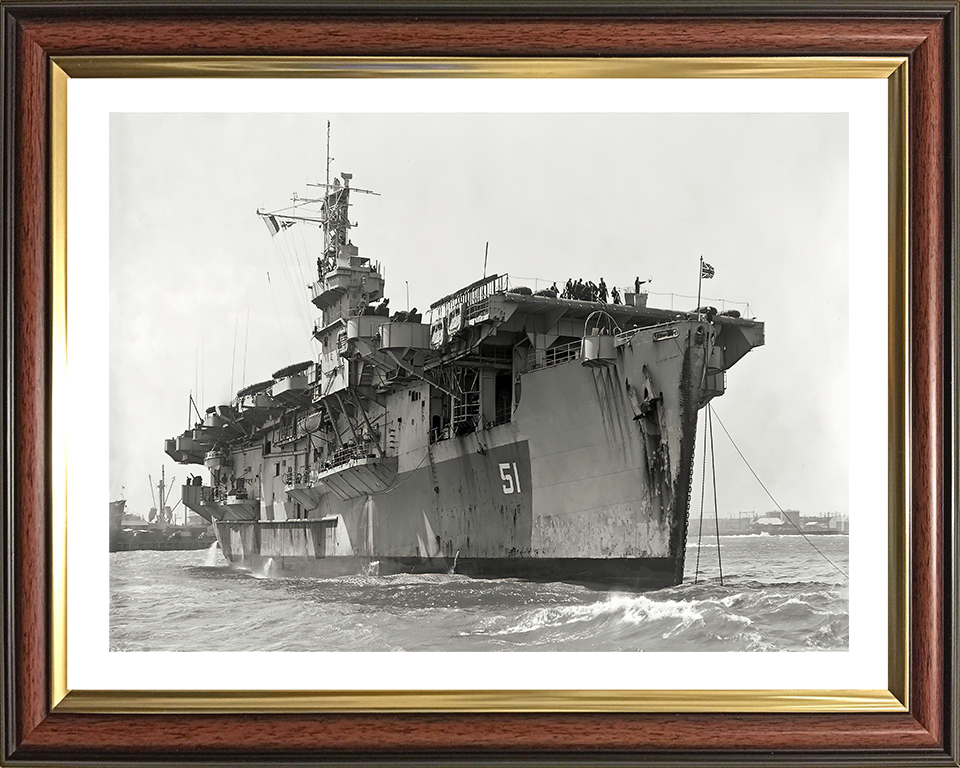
512,434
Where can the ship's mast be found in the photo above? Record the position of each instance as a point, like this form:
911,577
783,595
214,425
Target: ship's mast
334,216
335,213
326,186
162,498
160,487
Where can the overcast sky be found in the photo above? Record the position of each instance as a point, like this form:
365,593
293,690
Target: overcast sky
763,198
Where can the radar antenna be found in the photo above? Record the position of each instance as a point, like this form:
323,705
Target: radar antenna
333,218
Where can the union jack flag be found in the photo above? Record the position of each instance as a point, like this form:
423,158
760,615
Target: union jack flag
706,271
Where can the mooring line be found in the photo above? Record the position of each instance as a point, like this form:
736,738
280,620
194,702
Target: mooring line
729,437
716,507
703,486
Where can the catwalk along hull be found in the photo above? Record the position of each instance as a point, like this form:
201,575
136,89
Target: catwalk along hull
514,435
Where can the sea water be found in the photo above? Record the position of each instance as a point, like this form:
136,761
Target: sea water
778,593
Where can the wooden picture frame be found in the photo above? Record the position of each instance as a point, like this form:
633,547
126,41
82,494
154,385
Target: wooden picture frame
40,727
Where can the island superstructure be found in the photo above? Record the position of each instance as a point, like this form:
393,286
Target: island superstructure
513,434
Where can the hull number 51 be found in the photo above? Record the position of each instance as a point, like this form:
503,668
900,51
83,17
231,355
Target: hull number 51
511,482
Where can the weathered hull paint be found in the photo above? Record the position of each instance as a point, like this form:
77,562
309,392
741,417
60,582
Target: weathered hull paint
588,482
628,573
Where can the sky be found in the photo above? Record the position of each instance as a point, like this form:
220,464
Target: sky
202,299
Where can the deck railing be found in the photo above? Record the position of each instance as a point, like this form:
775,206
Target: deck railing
562,353
556,355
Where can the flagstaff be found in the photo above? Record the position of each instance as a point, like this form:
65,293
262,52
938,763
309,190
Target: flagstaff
699,285
706,271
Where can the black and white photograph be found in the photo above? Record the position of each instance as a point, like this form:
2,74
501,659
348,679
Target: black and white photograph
479,382
569,383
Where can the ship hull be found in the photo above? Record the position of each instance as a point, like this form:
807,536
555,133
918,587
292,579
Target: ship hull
588,483
517,433
627,573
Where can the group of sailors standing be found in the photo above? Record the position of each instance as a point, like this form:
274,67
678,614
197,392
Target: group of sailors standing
590,291
579,290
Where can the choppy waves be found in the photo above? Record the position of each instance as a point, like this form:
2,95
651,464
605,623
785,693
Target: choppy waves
776,596
798,618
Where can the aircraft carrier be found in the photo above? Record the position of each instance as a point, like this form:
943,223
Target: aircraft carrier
541,435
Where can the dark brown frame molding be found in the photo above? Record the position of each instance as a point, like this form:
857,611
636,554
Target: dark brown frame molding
34,32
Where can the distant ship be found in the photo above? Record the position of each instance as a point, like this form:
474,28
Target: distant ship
515,434
775,523
131,533
790,523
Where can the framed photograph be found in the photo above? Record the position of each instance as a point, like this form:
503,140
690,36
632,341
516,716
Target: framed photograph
602,357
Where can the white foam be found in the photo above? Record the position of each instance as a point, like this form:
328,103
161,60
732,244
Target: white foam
634,610
213,557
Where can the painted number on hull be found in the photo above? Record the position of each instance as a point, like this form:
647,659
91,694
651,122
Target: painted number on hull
511,482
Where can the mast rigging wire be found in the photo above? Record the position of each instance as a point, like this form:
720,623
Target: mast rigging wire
708,423
304,305
233,362
286,259
306,249
713,472
279,321
195,409
298,263
730,438
246,342
298,297
703,486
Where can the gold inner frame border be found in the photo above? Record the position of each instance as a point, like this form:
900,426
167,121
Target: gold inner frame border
894,699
